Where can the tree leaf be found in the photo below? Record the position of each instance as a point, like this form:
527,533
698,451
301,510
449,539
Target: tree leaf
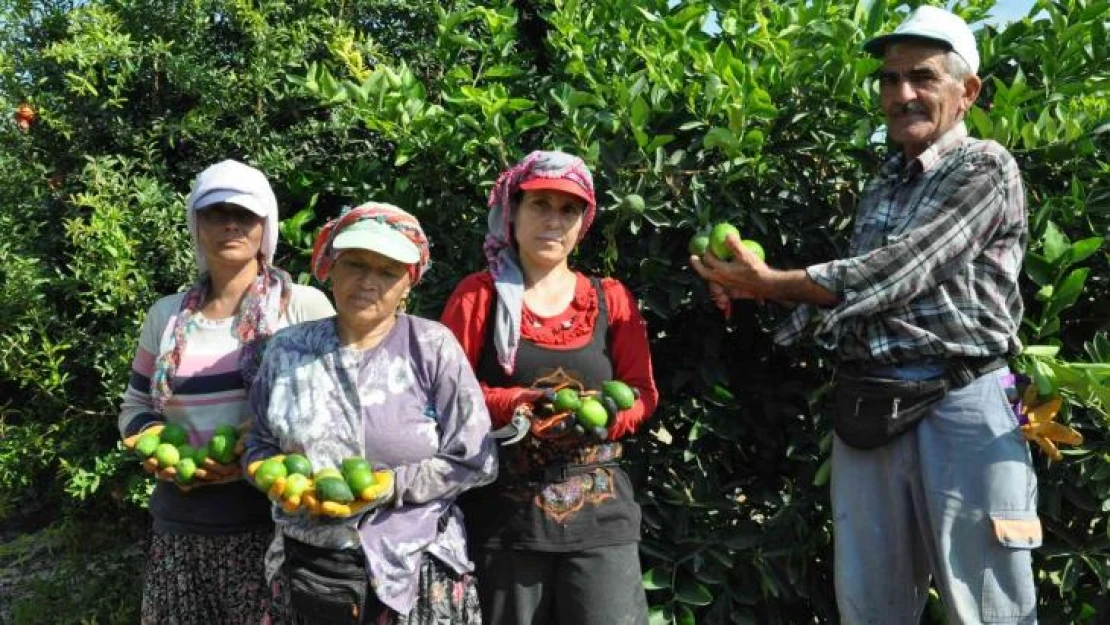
1054,242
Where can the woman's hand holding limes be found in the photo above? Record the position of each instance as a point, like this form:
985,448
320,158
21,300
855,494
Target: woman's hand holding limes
369,490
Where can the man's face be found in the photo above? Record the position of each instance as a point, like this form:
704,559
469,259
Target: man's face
920,99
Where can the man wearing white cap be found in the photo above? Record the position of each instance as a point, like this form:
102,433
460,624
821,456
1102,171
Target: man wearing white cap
931,477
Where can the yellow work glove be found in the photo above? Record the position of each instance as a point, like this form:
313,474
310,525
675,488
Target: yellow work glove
1041,426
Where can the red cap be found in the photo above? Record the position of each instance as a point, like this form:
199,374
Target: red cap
539,183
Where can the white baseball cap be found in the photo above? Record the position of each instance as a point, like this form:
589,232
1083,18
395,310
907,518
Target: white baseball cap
233,182
934,24
371,234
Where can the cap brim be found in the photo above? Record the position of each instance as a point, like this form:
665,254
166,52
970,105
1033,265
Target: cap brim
224,196
384,240
878,45
557,184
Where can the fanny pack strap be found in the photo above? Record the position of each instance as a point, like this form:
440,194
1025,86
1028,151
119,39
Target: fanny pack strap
963,371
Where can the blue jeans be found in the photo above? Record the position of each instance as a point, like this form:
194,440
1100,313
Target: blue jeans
954,500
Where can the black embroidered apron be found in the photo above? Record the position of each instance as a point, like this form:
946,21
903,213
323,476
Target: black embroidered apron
551,497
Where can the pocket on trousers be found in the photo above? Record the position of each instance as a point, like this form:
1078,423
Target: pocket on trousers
1009,593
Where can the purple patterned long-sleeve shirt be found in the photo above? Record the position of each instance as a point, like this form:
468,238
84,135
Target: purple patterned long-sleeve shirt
410,404
935,258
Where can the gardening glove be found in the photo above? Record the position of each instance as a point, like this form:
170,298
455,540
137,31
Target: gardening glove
213,472
130,441
150,464
380,493
1041,427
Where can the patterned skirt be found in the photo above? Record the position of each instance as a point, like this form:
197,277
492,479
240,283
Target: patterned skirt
444,598
205,579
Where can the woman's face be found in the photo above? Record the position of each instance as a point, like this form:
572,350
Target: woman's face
546,227
368,287
229,235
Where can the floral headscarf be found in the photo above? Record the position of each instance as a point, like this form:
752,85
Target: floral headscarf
324,255
504,264
262,306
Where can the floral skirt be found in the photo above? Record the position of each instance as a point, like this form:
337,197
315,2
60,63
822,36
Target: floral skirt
444,598
205,579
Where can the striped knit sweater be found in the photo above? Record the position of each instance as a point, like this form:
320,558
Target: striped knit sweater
208,392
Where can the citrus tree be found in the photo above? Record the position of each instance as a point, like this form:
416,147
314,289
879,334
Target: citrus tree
763,114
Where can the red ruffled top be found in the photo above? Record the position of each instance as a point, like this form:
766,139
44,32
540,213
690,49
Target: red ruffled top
467,311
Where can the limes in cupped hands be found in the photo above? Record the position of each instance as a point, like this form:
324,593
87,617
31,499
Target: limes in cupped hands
166,455
268,472
297,463
146,445
718,237
592,413
175,434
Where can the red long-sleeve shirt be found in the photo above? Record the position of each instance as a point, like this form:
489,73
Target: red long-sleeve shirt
467,313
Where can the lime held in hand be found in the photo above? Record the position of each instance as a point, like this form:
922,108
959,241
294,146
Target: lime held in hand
718,240
146,445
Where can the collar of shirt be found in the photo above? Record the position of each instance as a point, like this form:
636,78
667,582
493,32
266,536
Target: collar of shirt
896,168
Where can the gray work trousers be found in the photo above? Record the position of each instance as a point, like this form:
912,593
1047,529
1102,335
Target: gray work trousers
601,586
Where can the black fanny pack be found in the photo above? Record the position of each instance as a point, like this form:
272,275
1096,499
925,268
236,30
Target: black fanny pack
329,586
871,411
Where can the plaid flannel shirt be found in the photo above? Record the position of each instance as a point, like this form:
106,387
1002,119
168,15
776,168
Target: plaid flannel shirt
935,256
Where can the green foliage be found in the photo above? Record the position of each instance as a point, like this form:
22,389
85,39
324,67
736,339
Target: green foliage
768,124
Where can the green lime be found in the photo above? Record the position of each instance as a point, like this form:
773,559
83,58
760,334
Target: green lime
698,244
359,479
718,237
187,451
566,399
633,203
334,489
328,472
620,393
352,463
221,448
166,455
268,472
592,413
175,434
185,470
297,463
146,445
230,431
295,485
201,454
755,247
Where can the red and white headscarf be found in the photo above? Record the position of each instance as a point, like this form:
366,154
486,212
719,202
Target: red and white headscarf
504,263
324,254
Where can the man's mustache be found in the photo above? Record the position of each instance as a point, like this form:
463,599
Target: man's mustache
910,108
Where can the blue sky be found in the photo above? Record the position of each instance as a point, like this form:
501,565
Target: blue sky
1004,11
1010,10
